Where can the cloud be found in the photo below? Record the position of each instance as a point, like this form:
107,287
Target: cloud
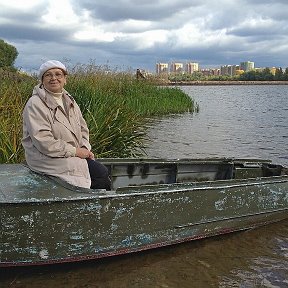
152,10
137,34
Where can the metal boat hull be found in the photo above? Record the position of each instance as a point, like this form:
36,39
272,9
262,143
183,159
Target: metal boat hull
44,222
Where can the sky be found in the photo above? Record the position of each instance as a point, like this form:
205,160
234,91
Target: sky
137,34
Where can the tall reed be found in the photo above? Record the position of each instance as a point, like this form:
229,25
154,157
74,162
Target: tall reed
116,130
114,104
14,92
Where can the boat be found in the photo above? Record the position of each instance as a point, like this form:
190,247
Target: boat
152,203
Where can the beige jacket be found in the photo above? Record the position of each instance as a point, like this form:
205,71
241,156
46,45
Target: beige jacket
49,137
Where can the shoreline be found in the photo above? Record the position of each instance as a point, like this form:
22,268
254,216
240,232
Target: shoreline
206,83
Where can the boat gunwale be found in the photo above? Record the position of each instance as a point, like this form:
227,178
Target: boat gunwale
92,194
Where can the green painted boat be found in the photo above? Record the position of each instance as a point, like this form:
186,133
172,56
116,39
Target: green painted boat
153,203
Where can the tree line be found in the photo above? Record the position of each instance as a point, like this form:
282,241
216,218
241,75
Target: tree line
265,75
253,75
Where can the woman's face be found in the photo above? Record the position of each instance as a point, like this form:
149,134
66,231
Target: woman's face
54,80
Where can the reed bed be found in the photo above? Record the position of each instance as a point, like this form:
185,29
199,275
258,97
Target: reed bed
14,91
115,105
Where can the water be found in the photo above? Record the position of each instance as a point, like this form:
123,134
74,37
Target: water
234,121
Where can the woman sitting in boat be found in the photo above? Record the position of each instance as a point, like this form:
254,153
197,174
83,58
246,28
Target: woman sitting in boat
55,134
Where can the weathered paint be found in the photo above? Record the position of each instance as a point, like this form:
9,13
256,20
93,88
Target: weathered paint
44,222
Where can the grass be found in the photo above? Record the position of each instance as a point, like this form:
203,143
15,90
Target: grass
115,106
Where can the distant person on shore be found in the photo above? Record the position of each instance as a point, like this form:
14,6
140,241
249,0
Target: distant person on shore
139,74
55,134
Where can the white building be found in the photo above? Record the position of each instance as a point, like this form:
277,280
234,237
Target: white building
191,67
176,67
161,68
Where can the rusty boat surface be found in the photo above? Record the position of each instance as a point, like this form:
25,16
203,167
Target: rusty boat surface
153,203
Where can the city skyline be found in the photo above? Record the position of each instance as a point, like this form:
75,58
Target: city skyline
191,67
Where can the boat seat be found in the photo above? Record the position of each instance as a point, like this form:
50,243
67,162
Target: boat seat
271,170
255,169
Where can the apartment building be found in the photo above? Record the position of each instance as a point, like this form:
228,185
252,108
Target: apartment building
161,68
247,66
229,70
176,67
191,67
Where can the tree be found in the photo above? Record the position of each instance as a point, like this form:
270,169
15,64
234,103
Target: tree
285,75
8,54
267,75
248,76
278,74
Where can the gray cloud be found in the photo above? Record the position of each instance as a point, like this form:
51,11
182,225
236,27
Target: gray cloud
137,34
133,9
25,31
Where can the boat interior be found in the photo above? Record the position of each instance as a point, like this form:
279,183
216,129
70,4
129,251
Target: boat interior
152,172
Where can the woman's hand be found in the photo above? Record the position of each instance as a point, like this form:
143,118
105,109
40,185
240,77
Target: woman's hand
84,153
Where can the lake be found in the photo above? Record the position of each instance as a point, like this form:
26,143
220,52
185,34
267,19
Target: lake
234,121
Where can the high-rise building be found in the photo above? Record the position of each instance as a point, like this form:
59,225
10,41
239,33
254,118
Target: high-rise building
225,70
176,67
191,67
229,70
247,66
161,68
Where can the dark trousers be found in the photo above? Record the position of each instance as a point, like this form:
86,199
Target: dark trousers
99,175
